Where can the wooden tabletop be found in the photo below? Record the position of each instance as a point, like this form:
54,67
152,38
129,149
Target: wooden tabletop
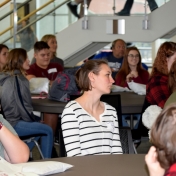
105,165
130,101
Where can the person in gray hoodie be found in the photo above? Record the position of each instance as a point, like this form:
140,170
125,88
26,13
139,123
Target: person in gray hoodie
16,101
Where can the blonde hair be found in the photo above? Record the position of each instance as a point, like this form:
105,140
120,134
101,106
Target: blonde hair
48,37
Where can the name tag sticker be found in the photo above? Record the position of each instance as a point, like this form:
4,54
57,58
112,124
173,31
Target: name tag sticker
110,125
52,70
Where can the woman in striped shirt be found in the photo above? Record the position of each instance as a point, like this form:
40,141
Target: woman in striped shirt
89,126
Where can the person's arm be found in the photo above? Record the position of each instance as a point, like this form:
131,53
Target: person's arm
30,76
153,165
15,150
70,130
116,144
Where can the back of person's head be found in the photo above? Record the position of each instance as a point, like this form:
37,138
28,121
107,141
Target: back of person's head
166,50
38,46
15,60
172,77
163,136
2,46
82,78
47,37
117,40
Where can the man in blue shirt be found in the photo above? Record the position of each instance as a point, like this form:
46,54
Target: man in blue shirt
115,57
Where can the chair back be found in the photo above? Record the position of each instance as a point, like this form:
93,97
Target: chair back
126,140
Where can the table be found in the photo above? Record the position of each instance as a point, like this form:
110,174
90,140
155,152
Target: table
105,165
130,101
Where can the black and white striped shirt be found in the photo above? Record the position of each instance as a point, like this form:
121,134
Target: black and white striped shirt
84,135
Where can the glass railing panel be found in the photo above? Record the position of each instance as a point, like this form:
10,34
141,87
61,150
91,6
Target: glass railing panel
106,7
61,17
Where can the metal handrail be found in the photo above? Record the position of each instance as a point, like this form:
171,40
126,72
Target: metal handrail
21,5
37,19
4,3
27,16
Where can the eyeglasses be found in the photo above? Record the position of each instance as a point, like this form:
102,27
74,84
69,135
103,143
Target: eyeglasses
133,56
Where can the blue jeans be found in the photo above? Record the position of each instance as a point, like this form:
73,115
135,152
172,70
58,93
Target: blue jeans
24,128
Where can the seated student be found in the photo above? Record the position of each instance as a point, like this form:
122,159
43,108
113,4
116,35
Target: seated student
4,51
52,43
12,148
161,158
89,126
115,58
157,91
131,70
43,68
16,101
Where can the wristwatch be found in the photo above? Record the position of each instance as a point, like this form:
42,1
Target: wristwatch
1,125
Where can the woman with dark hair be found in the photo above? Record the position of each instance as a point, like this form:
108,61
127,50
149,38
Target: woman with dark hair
89,126
4,51
131,69
161,158
16,101
157,88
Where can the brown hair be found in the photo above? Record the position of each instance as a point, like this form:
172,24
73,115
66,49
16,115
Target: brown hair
117,40
163,136
166,50
125,69
82,78
2,46
172,77
15,60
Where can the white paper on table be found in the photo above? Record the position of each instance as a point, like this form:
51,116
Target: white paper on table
137,88
32,168
116,88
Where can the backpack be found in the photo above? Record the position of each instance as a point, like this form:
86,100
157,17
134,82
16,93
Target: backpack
63,86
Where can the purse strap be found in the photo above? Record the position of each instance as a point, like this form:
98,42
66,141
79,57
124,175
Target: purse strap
21,99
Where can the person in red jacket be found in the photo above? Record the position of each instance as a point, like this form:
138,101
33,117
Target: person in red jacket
157,91
131,69
161,158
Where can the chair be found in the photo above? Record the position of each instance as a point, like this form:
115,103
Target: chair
126,140
28,139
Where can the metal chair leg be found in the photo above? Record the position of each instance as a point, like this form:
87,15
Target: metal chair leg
36,143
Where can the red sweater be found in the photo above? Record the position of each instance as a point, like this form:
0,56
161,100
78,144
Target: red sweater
142,79
171,171
50,72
